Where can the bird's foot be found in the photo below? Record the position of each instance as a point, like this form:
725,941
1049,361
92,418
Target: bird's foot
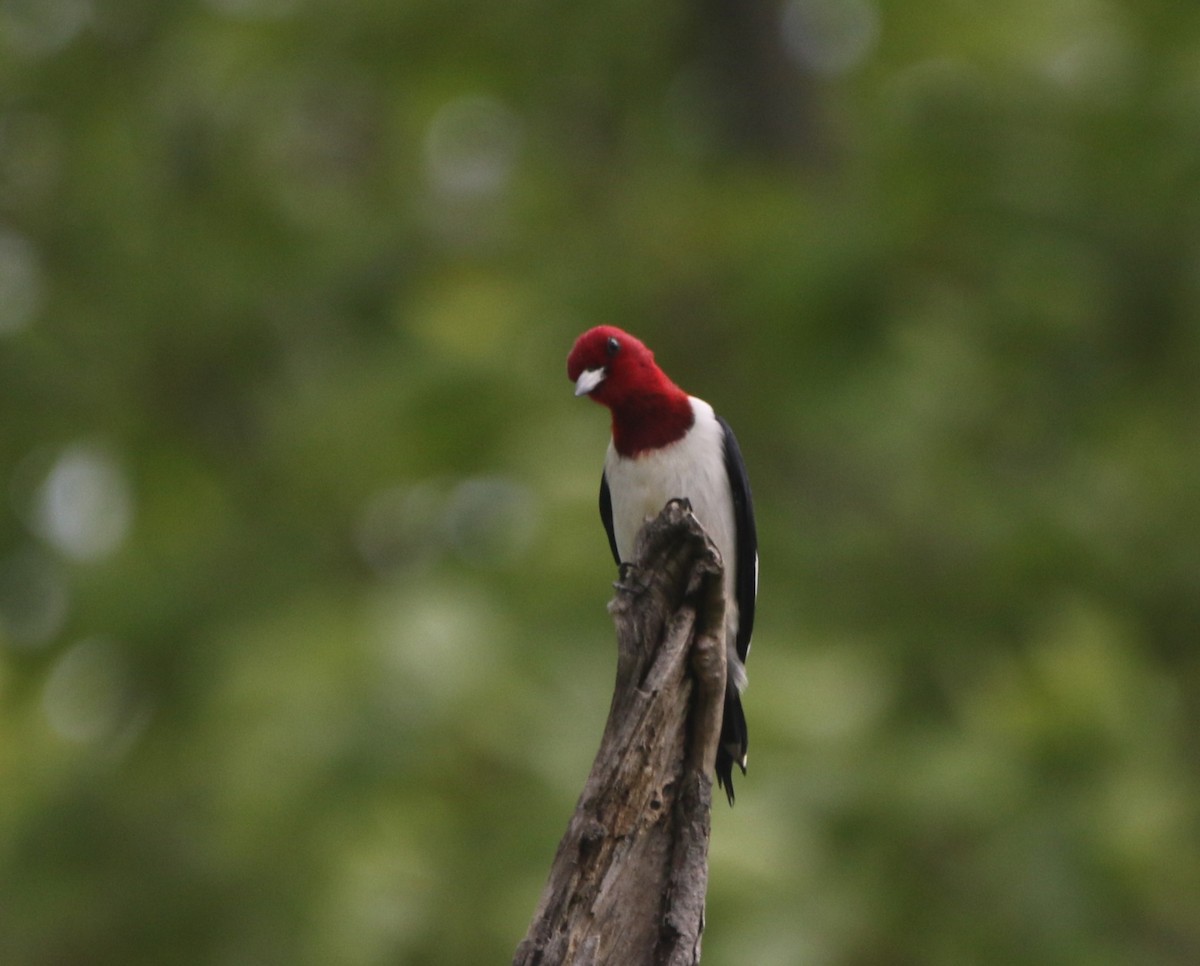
625,577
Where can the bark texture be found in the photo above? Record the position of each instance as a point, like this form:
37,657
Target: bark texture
629,879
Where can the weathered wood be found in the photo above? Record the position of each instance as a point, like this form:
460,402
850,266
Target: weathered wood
629,879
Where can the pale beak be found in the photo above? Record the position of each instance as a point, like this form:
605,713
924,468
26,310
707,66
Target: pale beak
588,380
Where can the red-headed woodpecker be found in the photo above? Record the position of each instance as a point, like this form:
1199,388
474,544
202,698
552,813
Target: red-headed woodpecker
667,444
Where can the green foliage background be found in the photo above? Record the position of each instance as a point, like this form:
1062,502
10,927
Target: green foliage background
303,649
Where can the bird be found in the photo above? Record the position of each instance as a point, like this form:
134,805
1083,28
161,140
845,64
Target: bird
669,445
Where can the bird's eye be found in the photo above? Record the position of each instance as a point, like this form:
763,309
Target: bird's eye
613,346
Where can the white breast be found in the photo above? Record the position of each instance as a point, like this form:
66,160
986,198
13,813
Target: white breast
693,468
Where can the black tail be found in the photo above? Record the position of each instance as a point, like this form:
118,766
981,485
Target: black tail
734,741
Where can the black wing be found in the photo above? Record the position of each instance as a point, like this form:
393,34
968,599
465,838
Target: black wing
746,579
734,736
606,516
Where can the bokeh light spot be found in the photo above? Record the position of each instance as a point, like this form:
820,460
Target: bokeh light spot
21,283
471,147
87,691
399,528
491,520
85,507
831,37
437,643
41,27
485,521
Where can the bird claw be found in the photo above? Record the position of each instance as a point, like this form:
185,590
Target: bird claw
624,579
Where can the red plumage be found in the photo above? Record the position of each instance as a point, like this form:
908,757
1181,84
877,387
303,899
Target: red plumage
648,409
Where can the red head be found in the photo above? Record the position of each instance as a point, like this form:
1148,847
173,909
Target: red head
617,370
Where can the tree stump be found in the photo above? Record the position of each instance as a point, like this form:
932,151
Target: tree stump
628,882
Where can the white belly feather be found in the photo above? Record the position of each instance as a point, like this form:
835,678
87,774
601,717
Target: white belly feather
693,468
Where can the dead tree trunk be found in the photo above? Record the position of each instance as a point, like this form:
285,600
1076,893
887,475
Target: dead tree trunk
628,881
